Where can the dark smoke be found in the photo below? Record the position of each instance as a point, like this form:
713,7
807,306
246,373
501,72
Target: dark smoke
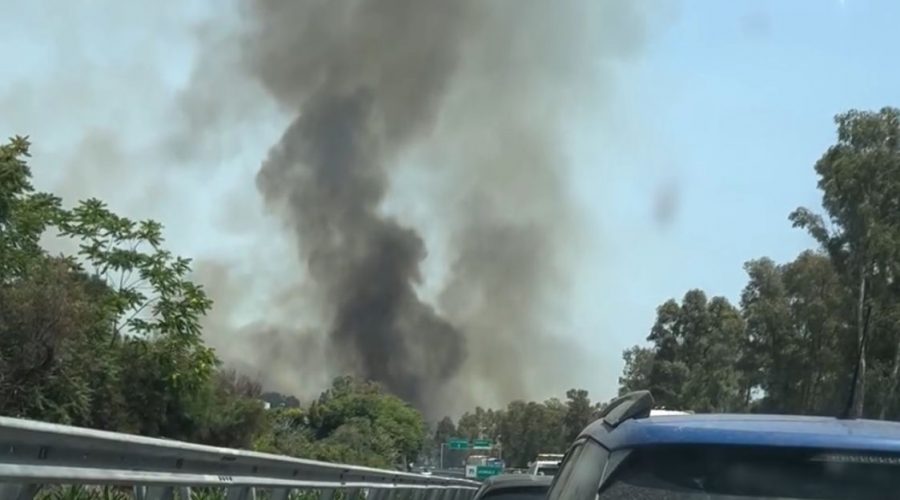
476,95
327,173
398,126
362,93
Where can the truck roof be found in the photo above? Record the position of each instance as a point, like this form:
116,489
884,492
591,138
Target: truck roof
750,430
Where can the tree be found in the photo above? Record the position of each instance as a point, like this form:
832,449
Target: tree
445,430
694,361
24,214
232,411
529,428
820,308
81,342
668,370
389,427
713,383
860,180
766,310
47,322
579,413
638,367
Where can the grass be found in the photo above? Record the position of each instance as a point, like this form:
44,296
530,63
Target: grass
81,492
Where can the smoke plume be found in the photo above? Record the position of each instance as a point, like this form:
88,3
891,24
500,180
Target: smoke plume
476,94
411,220
365,80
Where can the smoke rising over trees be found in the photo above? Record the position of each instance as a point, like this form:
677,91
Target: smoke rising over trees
468,99
474,95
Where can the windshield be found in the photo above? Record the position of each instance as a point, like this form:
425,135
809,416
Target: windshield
689,473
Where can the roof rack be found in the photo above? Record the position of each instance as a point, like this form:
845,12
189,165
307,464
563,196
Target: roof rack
633,405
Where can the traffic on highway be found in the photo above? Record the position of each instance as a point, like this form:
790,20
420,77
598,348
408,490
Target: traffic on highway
633,450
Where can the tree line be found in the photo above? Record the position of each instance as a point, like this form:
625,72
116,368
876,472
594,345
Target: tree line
804,332
524,428
108,336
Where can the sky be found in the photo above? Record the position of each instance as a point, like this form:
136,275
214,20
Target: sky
719,124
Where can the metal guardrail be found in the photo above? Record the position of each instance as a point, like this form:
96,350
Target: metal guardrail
35,454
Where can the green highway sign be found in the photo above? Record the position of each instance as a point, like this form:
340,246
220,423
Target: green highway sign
485,471
481,444
458,444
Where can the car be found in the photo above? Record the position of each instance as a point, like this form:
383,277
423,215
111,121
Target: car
514,487
629,454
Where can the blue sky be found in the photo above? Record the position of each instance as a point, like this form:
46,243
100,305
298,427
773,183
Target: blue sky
726,113
737,100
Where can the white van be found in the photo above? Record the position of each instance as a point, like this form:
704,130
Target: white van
546,464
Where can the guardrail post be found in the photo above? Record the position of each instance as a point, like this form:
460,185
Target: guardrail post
241,493
280,494
160,493
326,494
18,491
184,493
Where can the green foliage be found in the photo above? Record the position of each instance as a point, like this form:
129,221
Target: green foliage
696,350
80,492
445,430
525,428
24,213
579,413
798,336
119,493
357,420
530,428
108,337
638,367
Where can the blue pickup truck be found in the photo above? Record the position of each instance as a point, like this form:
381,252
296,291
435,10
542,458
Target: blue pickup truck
628,454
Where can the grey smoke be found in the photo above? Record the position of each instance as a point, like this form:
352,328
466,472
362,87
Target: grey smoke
365,78
327,173
476,92
477,98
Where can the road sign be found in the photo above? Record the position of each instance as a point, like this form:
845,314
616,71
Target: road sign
481,444
484,471
458,444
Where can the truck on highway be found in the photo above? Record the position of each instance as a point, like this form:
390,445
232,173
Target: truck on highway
546,464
